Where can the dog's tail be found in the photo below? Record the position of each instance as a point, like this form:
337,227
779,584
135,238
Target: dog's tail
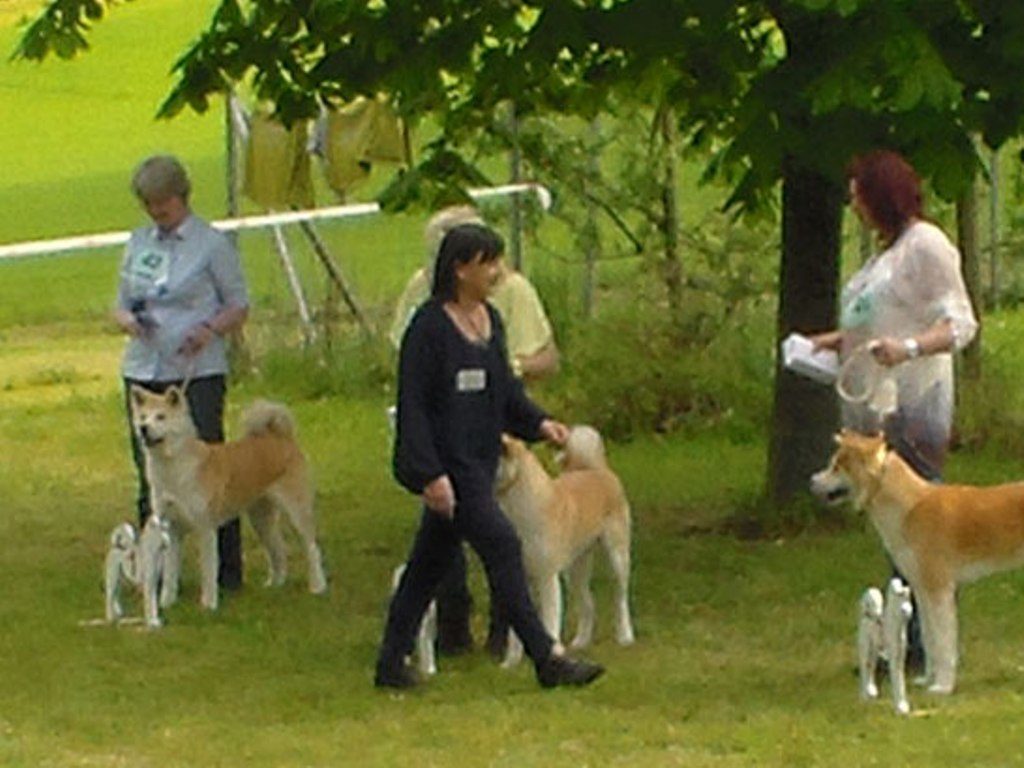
584,449
264,417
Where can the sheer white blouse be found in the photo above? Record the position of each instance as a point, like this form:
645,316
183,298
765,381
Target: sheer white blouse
901,292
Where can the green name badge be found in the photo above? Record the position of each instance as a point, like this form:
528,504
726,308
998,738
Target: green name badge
150,267
859,312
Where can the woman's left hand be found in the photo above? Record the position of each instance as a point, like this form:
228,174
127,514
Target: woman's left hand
889,351
196,339
554,431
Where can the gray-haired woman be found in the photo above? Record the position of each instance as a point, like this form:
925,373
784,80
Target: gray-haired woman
181,291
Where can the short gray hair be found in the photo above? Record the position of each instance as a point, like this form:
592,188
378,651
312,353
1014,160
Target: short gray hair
444,221
160,177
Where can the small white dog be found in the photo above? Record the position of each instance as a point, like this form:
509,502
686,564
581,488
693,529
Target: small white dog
882,634
142,561
870,645
427,636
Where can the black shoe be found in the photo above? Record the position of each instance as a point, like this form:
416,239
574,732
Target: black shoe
400,676
561,670
454,641
497,645
231,582
915,661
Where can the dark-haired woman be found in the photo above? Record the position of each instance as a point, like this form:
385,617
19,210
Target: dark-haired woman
911,302
456,395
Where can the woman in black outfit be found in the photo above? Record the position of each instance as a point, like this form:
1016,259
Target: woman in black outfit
456,395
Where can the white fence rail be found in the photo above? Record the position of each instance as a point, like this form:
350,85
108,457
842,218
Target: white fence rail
107,239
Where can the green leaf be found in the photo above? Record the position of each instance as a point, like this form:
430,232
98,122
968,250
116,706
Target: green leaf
93,9
847,7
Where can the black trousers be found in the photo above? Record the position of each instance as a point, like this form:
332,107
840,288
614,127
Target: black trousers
206,404
480,522
455,604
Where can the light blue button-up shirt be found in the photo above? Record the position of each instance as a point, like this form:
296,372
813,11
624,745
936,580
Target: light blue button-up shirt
180,278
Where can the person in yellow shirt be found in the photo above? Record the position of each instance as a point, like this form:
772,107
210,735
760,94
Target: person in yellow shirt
531,342
533,355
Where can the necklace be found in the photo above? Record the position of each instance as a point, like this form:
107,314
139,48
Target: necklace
473,329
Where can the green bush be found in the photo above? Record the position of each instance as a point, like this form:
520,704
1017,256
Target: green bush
638,368
349,364
989,409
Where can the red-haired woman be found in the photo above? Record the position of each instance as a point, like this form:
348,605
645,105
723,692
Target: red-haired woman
911,302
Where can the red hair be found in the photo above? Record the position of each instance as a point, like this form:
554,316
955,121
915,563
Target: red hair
889,189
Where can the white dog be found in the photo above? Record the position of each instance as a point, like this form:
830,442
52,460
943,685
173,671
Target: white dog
882,634
142,561
870,645
427,636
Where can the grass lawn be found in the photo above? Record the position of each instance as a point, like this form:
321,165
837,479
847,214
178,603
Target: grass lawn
744,656
745,649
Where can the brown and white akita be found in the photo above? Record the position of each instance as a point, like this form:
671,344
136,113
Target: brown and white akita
198,486
559,522
938,535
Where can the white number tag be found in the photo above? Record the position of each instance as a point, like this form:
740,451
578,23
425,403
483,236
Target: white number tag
471,380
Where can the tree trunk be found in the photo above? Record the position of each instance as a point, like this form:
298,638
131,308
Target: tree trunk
865,242
805,414
515,240
591,234
670,209
967,241
993,231
240,355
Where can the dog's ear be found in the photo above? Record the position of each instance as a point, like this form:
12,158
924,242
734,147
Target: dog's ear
506,444
173,396
138,395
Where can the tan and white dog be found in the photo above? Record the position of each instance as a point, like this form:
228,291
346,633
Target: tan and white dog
939,536
559,522
198,486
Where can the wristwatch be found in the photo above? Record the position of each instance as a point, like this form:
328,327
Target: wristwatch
913,348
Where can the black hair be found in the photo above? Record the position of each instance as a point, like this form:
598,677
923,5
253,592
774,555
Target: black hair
461,245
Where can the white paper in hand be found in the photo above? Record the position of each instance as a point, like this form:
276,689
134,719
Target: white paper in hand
799,356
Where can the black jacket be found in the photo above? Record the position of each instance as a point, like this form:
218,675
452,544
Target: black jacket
455,398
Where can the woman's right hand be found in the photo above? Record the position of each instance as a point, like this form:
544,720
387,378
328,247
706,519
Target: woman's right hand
832,340
129,323
439,496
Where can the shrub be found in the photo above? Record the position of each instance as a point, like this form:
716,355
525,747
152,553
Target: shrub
352,364
638,368
989,409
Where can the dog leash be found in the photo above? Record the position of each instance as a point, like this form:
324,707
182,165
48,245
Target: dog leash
124,621
190,372
872,375
190,365
880,393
